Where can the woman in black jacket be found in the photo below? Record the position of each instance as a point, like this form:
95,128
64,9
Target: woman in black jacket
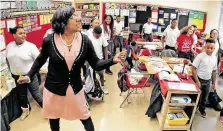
67,50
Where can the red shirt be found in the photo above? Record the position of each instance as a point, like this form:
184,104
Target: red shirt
185,43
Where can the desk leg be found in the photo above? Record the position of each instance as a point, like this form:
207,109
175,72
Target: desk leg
164,110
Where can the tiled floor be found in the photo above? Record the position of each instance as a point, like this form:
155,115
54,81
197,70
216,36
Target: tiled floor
107,116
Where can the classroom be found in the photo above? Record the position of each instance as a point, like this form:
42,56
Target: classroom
111,65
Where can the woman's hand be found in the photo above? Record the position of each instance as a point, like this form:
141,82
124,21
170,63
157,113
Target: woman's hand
23,80
120,57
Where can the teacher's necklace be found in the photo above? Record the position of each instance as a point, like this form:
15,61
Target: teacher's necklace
65,42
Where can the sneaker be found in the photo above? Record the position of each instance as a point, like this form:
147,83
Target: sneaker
202,113
109,72
221,119
25,113
105,90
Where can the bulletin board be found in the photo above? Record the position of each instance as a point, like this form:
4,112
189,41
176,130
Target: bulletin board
165,17
33,15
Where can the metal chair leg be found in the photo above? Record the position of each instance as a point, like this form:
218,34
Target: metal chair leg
129,93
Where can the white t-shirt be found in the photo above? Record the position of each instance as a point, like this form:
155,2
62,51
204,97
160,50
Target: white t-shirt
171,36
148,28
205,65
98,45
21,57
216,48
118,28
105,34
90,32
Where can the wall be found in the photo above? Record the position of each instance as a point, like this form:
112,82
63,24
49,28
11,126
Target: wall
213,13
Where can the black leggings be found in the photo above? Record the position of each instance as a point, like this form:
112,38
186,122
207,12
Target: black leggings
88,124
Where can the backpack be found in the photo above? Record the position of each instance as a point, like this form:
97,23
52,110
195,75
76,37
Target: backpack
122,80
92,86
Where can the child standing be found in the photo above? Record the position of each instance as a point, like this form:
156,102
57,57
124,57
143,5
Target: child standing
100,45
185,43
107,33
204,71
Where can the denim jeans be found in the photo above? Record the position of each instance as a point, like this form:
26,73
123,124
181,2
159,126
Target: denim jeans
33,88
121,43
110,48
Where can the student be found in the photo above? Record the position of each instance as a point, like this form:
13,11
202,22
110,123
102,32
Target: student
214,34
185,42
68,49
94,22
170,35
147,31
119,28
20,55
100,46
204,71
107,33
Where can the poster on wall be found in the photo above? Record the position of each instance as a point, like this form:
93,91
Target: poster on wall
154,15
11,24
2,42
196,18
2,24
141,8
173,16
166,15
3,60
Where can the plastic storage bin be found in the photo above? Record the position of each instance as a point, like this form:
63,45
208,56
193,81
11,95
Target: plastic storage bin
177,118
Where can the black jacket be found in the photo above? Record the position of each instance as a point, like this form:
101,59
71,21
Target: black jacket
59,76
156,101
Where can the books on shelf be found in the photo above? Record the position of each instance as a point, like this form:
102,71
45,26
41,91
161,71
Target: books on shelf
180,99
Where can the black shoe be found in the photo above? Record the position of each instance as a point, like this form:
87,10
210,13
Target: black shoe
218,107
109,72
202,113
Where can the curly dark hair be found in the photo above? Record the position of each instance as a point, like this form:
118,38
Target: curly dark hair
60,18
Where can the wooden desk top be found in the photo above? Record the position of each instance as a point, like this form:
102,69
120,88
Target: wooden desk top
188,68
150,67
173,60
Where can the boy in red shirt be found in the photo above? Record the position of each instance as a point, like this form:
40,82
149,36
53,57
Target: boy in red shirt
184,43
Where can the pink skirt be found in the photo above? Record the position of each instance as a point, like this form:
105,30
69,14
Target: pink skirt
69,107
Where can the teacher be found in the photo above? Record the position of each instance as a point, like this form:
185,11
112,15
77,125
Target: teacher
67,50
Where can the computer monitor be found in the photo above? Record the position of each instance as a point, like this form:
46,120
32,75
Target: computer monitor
135,27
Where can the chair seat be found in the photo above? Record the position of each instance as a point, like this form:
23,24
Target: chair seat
144,82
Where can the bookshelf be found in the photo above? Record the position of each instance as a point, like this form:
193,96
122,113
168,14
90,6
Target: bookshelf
161,116
88,10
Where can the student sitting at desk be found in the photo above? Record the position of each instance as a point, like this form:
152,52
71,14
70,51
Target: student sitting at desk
204,71
185,43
